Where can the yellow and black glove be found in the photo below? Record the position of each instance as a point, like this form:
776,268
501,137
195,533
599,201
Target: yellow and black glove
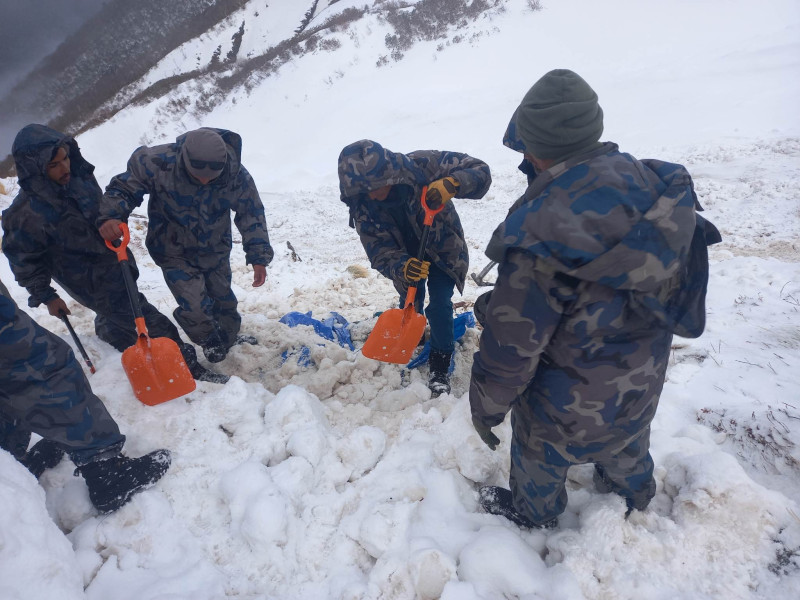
440,191
415,269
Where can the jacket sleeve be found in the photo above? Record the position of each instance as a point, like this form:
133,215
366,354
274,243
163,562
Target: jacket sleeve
126,190
521,318
27,257
384,252
251,222
473,175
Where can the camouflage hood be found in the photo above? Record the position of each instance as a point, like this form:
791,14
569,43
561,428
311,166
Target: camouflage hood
33,149
634,235
366,165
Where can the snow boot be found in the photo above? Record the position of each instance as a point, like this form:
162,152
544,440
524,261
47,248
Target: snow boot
215,353
113,481
497,501
245,339
439,382
198,371
42,456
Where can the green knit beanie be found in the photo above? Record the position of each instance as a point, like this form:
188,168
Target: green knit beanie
559,116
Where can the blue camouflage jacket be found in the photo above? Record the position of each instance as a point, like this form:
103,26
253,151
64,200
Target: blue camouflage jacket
48,231
189,221
600,262
366,165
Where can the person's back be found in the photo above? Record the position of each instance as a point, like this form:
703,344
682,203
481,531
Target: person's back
601,261
604,234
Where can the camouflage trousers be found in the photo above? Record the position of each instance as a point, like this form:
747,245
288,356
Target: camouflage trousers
206,303
538,482
44,390
101,289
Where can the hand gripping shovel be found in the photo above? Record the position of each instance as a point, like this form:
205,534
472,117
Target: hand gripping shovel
398,330
155,366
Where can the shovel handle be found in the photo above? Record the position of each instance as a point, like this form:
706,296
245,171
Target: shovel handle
423,244
74,335
120,248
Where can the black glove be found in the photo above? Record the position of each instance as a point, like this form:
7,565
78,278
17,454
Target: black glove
486,434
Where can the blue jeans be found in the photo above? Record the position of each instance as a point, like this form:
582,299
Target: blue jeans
439,311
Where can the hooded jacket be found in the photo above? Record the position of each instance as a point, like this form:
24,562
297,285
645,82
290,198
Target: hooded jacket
601,261
366,165
189,221
48,231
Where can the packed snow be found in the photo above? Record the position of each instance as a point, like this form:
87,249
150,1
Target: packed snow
333,476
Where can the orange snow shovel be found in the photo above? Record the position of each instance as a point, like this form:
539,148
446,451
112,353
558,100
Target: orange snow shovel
155,366
398,330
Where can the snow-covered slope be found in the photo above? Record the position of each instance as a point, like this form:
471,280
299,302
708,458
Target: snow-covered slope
344,479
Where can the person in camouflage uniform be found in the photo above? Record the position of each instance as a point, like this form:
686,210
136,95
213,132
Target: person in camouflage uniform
49,234
43,390
193,185
601,261
382,190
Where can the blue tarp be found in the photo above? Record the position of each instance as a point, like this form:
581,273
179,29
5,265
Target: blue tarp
460,324
337,329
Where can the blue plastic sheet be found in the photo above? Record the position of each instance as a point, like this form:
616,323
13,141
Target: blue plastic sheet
335,328
460,324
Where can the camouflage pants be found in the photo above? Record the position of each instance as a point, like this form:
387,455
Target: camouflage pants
206,303
43,390
102,290
538,482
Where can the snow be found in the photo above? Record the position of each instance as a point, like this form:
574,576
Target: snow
345,480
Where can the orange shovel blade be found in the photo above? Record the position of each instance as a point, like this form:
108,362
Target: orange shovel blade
156,370
395,335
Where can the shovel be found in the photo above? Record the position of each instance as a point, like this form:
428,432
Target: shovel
155,366
63,316
398,330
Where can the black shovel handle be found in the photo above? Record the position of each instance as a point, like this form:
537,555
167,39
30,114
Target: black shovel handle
74,335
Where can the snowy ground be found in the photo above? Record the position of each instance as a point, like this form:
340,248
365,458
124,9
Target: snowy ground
345,480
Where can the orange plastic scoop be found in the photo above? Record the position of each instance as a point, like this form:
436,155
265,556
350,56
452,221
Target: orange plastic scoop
154,366
396,333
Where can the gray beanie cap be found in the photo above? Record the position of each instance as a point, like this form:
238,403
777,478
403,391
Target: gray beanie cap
207,150
559,116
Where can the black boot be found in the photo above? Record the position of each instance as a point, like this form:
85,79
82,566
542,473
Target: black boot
439,382
497,501
44,455
198,371
113,481
245,339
